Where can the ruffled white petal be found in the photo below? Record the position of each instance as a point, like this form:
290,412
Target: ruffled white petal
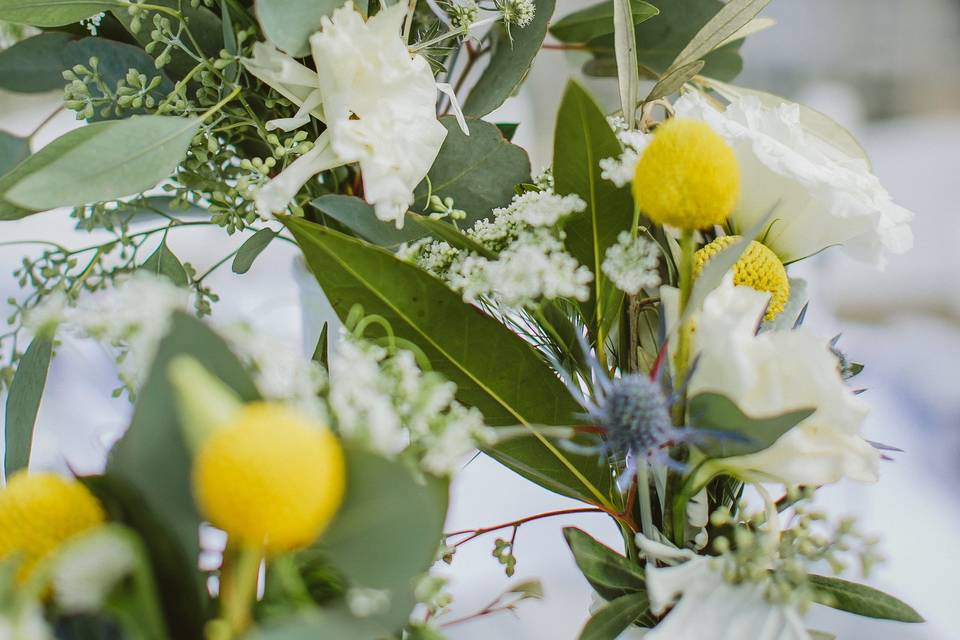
276,195
312,103
291,79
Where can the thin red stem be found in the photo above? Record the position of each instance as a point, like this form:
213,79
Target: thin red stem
476,533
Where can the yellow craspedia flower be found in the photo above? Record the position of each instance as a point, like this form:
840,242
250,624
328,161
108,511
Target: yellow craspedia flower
687,177
758,267
270,478
41,511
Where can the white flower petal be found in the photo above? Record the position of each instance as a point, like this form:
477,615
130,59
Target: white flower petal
313,102
291,79
446,89
276,195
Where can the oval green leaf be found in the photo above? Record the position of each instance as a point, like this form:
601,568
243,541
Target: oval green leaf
34,65
53,13
252,248
862,600
597,20
612,619
23,402
288,24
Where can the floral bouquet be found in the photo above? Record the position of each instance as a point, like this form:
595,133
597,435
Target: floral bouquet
619,328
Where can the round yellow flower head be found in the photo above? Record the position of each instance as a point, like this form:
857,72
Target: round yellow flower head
758,267
270,478
41,511
687,176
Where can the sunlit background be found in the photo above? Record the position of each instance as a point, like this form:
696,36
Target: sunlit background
885,69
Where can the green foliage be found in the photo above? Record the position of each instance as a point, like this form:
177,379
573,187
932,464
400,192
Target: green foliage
98,162
478,171
35,64
289,23
13,151
583,138
53,13
23,402
597,20
612,619
450,234
356,216
747,435
609,573
163,262
251,248
861,600
509,62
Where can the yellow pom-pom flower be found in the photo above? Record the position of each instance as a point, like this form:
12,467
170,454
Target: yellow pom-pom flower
41,511
271,478
758,267
687,177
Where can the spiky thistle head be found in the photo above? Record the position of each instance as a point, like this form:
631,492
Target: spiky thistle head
634,413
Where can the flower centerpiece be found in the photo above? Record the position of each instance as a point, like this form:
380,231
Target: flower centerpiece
621,327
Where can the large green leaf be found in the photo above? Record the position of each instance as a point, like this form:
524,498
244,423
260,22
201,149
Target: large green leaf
53,13
35,64
509,62
388,530
13,151
288,24
583,138
100,161
609,573
355,215
493,368
152,459
610,620
747,435
597,20
478,171
23,402
862,600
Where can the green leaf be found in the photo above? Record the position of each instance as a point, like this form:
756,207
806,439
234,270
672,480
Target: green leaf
613,618
509,62
734,15
319,623
861,600
321,351
355,215
251,248
153,463
453,236
35,64
101,161
232,71
53,13
609,573
288,24
720,413
583,138
478,171
23,402
597,20
13,151
421,308
673,80
162,262
387,531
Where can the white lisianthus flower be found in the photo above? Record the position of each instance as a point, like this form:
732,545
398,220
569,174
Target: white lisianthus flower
377,100
772,373
820,196
707,606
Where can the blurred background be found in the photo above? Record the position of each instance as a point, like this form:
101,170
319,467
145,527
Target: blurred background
885,69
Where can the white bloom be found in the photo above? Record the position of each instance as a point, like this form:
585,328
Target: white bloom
542,208
631,263
364,603
620,170
775,372
820,196
377,101
518,12
88,569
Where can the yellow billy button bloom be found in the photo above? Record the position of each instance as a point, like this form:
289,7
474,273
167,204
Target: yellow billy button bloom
41,511
270,478
758,268
687,177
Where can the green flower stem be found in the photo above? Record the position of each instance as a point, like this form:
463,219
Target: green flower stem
643,498
681,358
238,587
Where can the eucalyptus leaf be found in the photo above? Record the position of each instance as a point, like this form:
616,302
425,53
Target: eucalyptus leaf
747,434
34,65
23,402
162,262
152,465
251,248
232,71
478,171
422,309
100,161
355,215
509,62
609,573
13,151
53,13
597,20
288,24
861,600
613,618
582,139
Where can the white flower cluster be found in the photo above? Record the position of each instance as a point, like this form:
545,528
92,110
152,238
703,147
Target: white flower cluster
531,262
382,399
631,263
518,12
88,569
620,170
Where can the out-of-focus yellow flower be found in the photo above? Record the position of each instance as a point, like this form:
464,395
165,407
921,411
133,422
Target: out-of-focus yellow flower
41,511
758,267
687,177
270,478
